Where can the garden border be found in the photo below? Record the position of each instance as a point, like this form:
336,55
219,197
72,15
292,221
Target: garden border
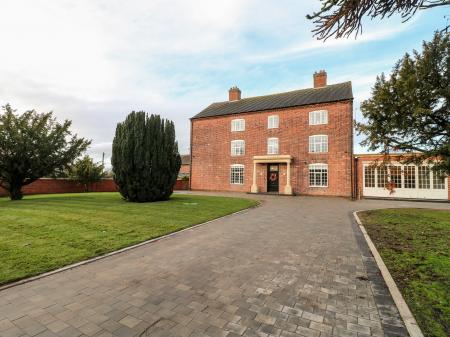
119,251
405,313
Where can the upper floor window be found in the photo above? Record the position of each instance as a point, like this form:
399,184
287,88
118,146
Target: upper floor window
318,143
237,147
238,125
273,122
318,117
272,146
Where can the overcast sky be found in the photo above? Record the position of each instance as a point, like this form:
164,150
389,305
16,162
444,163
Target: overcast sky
95,61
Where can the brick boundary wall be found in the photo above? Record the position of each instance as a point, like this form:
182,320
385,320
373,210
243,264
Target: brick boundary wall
52,186
181,185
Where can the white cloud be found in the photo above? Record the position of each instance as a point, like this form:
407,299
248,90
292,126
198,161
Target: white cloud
309,46
93,61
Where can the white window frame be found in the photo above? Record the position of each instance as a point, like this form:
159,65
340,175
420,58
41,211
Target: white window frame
424,177
318,144
238,147
237,178
318,166
273,145
409,176
273,122
396,175
439,180
238,125
318,117
369,176
382,176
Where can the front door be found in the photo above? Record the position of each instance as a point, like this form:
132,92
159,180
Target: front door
272,177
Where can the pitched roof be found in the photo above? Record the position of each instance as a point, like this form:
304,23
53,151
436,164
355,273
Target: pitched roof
185,159
329,93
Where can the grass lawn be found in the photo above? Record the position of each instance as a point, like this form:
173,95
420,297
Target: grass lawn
45,232
415,246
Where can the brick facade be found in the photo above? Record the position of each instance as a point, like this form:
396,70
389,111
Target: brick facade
211,155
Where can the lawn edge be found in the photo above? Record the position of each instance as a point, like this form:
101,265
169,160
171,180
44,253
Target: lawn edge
405,313
120,251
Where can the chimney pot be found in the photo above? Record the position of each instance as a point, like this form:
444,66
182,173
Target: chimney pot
320,79
234,94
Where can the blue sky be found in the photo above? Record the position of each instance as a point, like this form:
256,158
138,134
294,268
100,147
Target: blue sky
95,61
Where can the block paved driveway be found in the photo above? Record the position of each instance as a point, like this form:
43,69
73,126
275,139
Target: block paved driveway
296,266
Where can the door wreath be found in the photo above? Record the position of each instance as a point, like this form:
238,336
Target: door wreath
273,177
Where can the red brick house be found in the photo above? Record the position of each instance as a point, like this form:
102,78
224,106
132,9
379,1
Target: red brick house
297,142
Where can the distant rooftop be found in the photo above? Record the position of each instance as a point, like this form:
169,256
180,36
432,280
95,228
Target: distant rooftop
185,159
325,94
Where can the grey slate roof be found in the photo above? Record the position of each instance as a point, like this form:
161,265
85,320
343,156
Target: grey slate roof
329,93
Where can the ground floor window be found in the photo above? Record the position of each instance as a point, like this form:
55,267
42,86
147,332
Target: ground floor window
438,180
424,177
382,177
410,176
318,175
407,177
396,176
237,174
369,176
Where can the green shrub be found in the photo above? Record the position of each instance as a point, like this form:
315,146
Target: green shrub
145,157
87,172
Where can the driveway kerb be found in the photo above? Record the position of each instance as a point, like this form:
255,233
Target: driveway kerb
120,251
406,314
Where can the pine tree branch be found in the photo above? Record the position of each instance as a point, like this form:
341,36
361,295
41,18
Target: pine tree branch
341,18
433,4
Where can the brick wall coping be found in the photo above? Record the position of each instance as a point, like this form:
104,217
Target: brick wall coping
70,179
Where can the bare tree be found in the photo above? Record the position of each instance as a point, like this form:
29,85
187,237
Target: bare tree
341,18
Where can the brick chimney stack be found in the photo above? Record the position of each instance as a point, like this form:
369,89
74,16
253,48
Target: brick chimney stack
320,79
234,94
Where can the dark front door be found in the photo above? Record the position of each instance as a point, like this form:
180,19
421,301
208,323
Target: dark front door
272,177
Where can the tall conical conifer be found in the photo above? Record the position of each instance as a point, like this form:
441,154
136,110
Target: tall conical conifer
145,157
